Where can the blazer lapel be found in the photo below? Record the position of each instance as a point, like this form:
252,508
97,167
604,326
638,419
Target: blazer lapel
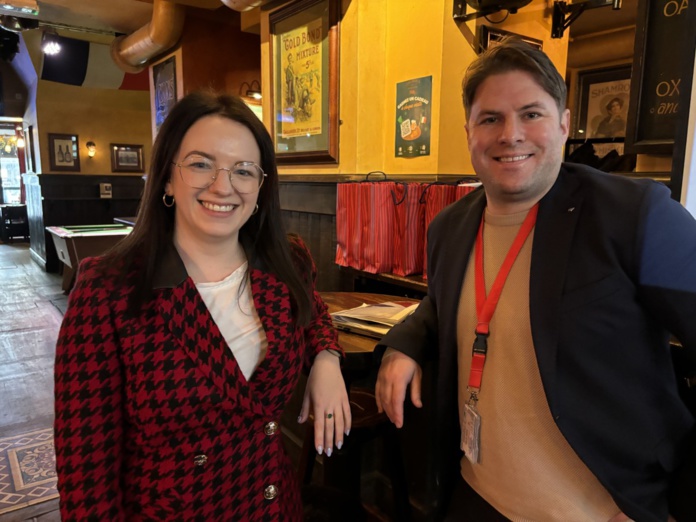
559,212
455,249
272,303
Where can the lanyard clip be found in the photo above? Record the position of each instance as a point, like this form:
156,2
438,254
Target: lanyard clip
481,344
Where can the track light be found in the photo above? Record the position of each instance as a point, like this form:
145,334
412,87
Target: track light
49,43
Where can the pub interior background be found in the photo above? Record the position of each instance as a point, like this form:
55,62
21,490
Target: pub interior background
378,44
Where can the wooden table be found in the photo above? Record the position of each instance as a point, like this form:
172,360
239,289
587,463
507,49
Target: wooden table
336,301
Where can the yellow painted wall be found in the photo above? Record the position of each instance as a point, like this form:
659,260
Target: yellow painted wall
103,116
384,42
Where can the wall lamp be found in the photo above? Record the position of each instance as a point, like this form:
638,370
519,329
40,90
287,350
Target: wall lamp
91,149
251,92
50,42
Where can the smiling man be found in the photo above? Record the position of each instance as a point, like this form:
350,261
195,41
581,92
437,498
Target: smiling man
567,282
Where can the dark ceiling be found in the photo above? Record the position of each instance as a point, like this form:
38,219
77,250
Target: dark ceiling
604,19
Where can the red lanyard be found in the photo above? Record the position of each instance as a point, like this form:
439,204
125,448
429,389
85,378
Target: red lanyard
485,306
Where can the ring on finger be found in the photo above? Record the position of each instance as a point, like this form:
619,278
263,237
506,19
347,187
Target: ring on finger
329,416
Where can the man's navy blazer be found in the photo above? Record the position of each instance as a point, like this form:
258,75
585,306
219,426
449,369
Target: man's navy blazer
613,273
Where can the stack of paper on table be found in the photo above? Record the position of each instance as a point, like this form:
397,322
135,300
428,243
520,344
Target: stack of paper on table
374,320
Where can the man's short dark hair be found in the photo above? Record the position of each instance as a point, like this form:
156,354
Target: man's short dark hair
514,54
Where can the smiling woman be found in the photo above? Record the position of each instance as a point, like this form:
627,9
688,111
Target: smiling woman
210,297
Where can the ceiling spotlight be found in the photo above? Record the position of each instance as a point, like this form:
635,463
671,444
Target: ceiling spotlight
50,43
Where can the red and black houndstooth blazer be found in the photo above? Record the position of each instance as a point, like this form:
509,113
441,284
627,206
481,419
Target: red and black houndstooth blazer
154,419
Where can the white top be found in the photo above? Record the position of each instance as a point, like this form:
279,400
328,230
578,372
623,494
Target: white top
231,304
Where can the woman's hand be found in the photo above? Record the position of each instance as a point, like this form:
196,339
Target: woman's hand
327,399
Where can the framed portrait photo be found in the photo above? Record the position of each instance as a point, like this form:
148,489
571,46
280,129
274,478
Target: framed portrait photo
603,98
304,79
63,152
127,158
602,107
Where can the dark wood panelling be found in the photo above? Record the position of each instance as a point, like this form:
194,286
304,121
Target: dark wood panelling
73,199
309,209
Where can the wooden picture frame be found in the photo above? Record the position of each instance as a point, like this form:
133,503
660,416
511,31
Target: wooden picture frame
126,158
304,79
597,89
64,152
489,36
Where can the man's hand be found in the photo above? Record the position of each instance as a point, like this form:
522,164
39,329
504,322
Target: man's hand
395,373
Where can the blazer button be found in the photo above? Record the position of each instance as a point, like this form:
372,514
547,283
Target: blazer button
200,460
271,428
270,492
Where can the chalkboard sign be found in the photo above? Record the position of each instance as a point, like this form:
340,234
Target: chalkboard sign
659,66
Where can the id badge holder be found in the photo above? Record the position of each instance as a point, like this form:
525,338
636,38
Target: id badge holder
471,433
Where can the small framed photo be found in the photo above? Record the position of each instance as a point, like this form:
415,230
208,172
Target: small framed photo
489,37
63,152
127,158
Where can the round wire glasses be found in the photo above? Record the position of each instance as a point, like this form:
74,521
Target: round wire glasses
201,172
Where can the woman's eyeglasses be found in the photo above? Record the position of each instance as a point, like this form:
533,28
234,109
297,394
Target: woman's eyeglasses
201,172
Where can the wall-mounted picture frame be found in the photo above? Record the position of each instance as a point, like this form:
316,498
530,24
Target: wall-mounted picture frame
602,102
490,37
63,152
127,158
166,88
304,79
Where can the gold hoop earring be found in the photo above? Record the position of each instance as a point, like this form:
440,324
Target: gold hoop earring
256,209
167,203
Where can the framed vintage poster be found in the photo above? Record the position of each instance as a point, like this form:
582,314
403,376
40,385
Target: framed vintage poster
413,114
63,152
165,88
305,65
602,106
490,37
127,158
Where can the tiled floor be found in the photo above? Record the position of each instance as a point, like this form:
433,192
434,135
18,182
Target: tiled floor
30,316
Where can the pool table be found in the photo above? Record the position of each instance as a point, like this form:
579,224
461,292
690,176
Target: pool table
74,243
